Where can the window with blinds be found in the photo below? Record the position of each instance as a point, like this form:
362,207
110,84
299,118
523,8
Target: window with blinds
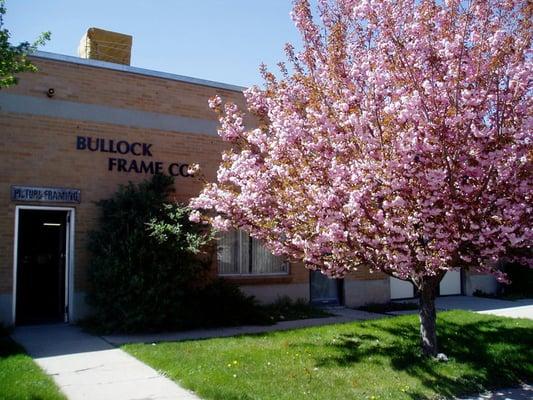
239,254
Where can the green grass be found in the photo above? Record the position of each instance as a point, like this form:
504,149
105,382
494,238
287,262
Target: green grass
383,308
362,360
20,377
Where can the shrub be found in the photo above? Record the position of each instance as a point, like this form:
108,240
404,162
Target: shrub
150,266
287,309
222,303
147,259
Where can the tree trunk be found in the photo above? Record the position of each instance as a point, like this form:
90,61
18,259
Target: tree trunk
428,315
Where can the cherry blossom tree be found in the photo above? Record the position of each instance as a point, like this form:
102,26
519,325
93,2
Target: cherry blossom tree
398,139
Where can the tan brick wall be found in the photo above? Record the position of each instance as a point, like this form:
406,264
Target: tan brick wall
92,85
300,274
41,151
363,273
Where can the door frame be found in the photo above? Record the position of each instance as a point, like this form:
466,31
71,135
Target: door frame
69,257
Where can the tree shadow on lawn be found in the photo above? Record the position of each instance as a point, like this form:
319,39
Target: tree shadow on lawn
485,353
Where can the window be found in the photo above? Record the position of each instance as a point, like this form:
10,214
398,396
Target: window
239,254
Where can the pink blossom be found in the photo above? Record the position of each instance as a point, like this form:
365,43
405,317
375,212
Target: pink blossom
409,154
194,216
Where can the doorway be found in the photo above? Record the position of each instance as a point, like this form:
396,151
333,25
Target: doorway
324,290
42,265
451,283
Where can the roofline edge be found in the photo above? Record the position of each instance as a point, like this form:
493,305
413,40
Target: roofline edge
135,70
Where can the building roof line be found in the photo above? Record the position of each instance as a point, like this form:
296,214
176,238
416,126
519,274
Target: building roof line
135,70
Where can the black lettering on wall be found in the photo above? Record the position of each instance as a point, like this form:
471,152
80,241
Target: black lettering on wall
146,150
183,170
147,168
111,163
133,151
130,165
133,166
111,147
121,165
123,147
173,169
95,144
81,143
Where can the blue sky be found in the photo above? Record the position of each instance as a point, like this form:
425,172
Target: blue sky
220,40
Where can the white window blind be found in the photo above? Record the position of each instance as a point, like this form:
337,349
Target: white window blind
239,254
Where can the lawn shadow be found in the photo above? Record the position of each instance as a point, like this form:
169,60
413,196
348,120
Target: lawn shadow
8,348
488,352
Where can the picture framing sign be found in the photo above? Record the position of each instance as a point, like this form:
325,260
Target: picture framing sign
45,194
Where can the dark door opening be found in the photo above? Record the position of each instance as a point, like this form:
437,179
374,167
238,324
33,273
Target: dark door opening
41,266
325,291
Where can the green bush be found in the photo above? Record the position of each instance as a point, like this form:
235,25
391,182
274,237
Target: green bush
222,303
147,260
150,270
287,309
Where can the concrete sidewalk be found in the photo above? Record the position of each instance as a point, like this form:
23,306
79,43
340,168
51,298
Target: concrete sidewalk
341,315
506,308
524,392
86,367
503,308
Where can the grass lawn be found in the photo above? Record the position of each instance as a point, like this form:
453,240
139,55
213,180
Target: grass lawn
20,377
362,360
388,307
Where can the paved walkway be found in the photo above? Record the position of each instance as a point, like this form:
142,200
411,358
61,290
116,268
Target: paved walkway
86,367
520,308
503,308
525,392
341,315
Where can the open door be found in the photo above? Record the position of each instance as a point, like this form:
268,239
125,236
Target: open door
42,264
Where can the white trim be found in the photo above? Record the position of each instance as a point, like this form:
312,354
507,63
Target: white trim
15,262
135,70
69,267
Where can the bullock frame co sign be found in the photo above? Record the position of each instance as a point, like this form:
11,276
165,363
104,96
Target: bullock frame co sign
136,149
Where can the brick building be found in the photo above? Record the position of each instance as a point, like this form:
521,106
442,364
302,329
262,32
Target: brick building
75,130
